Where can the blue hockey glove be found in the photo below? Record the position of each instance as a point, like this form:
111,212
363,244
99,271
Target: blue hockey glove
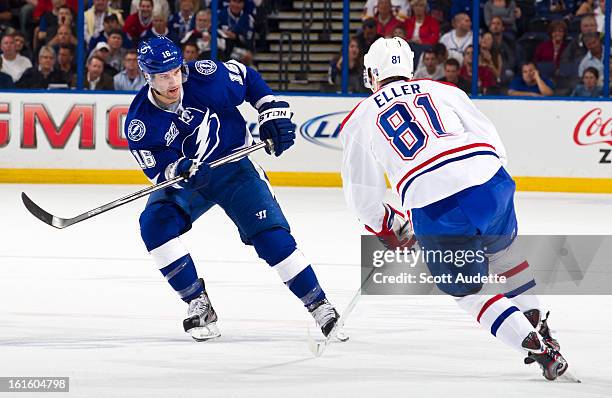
275,124
196,175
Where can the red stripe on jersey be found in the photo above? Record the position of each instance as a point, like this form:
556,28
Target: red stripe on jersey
346,119
487,305
515,270
440,155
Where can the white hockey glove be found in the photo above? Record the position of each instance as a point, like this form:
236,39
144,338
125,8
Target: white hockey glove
396,232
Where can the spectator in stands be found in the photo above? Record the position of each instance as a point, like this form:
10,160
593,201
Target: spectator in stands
506,10
422,28
506,47
130,78
400,31
575,49
43,74
13,63
49,21
486,76
190,52
159,27
159,6
401,9
116,51
551,50
6,81
589,86
355,69
65,60
5,14
594,56
20,44
530,83
237,25
95,78
458,39
111,23
102,51
600,16
181,22
64,36
586,7
429,68
385,21
451,75
201,36
137,23
489,56
368,35
545,8
94,18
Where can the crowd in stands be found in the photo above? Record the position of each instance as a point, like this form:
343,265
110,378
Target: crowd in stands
39,46
526,47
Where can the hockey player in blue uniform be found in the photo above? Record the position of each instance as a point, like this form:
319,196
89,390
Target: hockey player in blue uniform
184,118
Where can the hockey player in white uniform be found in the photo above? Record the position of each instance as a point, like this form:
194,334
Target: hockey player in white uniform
446,162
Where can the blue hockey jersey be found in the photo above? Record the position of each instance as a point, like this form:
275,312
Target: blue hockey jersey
207,124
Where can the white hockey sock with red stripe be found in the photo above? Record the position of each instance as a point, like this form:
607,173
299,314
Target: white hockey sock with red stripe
499,315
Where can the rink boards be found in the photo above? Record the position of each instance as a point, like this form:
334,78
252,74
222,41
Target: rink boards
552,145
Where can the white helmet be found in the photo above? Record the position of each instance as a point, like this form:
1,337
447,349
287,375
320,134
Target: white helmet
387,58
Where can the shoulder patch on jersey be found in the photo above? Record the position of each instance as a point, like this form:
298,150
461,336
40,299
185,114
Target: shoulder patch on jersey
206,67
136,130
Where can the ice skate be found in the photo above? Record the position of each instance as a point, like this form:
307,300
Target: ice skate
541,325
325,315
201,321
550,360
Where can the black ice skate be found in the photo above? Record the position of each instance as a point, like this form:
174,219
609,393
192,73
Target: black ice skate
550,360
542,327
201,319
324,314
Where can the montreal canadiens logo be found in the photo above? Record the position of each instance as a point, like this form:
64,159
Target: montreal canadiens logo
136,130
206,67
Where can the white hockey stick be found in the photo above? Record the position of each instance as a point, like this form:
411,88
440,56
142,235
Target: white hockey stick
61,223
318,347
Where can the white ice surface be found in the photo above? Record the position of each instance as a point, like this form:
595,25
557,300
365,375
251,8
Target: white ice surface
87,302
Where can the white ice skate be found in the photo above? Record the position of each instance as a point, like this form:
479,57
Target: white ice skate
201,321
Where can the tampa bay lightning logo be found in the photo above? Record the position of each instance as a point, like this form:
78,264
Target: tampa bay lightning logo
136,130
205,138
206,67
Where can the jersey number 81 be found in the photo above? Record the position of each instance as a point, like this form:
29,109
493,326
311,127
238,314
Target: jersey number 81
402,129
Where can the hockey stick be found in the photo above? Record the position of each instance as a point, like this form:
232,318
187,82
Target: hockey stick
318,348
61,223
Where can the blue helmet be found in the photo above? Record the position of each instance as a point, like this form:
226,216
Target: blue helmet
158,55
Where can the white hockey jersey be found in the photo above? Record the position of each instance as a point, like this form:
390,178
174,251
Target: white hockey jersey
427,136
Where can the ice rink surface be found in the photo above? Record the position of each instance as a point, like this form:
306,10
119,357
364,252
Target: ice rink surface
87,302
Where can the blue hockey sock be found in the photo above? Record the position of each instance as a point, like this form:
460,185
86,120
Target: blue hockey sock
306,287
277,247
182,276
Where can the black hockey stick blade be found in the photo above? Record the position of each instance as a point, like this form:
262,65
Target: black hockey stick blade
41,214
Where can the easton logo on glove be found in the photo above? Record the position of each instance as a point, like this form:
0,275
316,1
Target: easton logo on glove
275,124
272,114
